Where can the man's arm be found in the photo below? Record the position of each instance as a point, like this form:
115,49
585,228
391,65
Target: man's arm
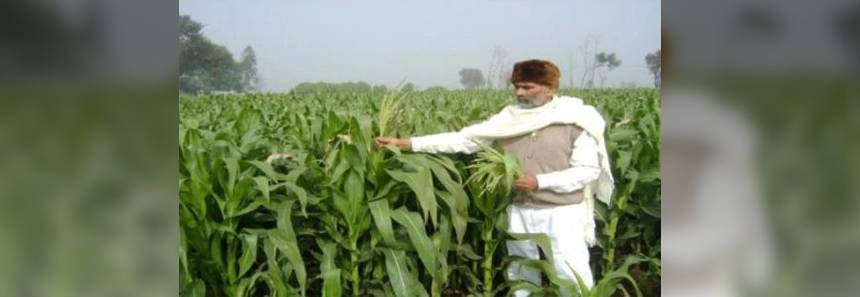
400,143
452,142
584,168
456,142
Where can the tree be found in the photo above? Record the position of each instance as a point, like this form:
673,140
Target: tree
379,88
605,63
191,41
205,66
627,84
408,87
360,87
193,46
354,87
845,24
248,70
653,60
589,65
223,70
471,78
570,70
436,89
499,69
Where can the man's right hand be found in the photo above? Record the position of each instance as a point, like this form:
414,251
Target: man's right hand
401,143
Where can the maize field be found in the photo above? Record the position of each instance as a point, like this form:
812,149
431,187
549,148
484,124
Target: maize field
285,195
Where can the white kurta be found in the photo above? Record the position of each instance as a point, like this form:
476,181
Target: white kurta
584,164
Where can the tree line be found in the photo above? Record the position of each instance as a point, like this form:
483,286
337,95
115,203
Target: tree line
596,67
205,66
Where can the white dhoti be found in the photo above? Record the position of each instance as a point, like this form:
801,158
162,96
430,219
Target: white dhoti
565,227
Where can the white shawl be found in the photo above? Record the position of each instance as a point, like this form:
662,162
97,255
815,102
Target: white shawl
515,121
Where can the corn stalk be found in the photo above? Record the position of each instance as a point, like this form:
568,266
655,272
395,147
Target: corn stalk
328,215
493,174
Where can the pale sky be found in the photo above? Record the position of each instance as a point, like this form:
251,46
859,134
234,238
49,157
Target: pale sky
427,42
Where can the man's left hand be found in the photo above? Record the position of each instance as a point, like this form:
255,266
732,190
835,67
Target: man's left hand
526,183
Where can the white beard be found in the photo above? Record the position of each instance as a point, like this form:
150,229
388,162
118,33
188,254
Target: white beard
529,103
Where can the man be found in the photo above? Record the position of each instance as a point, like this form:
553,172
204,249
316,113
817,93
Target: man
560,147
709,169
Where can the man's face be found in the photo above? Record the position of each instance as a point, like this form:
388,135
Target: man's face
531,95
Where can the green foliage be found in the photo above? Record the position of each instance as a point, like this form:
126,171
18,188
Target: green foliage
332,216
205,66
654,62
436,89
605,62
319,87
471,78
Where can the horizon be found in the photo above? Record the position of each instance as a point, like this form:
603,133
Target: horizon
335,42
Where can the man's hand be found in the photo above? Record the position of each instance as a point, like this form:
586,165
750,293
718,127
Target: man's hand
526,183
401,143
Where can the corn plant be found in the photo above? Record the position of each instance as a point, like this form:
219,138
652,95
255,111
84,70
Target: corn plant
492,176
283,195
